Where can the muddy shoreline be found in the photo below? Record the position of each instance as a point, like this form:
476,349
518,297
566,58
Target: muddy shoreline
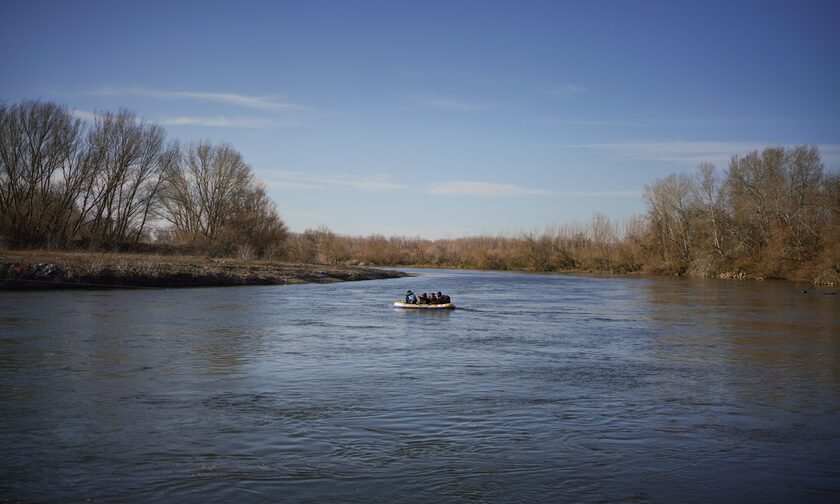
32,270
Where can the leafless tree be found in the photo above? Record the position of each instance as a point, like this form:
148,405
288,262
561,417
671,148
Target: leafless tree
128,158
201,193
800,211
670,214
603,237
755,186
211,198
710,201
774,202
38,146
256,223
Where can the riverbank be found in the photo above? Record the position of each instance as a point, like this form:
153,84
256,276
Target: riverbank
827,277
68,270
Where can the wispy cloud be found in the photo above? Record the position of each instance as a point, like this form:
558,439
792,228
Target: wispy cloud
693,152
474,188
566,89
457,105
225,122
304,216
830,153
299,180
84,115
678,122
247,122
559,121
240,100
489,189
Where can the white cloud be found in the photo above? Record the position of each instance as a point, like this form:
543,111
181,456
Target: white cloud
223,122
84,115
694,152
249,122
565,89
475,188
457,105
241,100
600,194
302,215
586,122
489,189
299,180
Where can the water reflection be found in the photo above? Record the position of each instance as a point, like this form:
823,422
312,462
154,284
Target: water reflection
771,334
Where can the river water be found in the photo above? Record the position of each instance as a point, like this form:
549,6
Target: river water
539,388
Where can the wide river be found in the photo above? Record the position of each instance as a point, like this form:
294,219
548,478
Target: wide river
539,388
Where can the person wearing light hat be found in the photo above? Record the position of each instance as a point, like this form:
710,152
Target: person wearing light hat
410,297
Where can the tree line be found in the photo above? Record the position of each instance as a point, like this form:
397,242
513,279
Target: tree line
109,183
67,183
596,246
770,214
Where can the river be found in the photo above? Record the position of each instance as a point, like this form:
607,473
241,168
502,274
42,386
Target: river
539,388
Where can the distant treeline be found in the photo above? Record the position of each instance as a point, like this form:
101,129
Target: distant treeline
772,214
66,183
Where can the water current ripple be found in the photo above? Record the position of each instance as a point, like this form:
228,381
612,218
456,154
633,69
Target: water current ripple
538,388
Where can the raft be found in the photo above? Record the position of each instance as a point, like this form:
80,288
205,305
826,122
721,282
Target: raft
415,306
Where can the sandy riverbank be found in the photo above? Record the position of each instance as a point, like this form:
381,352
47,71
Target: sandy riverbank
63,270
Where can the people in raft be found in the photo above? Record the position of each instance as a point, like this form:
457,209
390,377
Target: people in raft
424,298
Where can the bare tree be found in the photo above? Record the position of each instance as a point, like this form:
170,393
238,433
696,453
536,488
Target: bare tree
755,186
255,222
710,200
830,228
774,202
212,198
801,213
127,159
201,193
670,214
38,166
603,238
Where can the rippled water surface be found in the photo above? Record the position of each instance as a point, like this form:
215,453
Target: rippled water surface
538,388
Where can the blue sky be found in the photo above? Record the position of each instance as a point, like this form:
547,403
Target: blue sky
444,119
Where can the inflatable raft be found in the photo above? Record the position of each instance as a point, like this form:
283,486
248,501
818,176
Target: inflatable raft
415,306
